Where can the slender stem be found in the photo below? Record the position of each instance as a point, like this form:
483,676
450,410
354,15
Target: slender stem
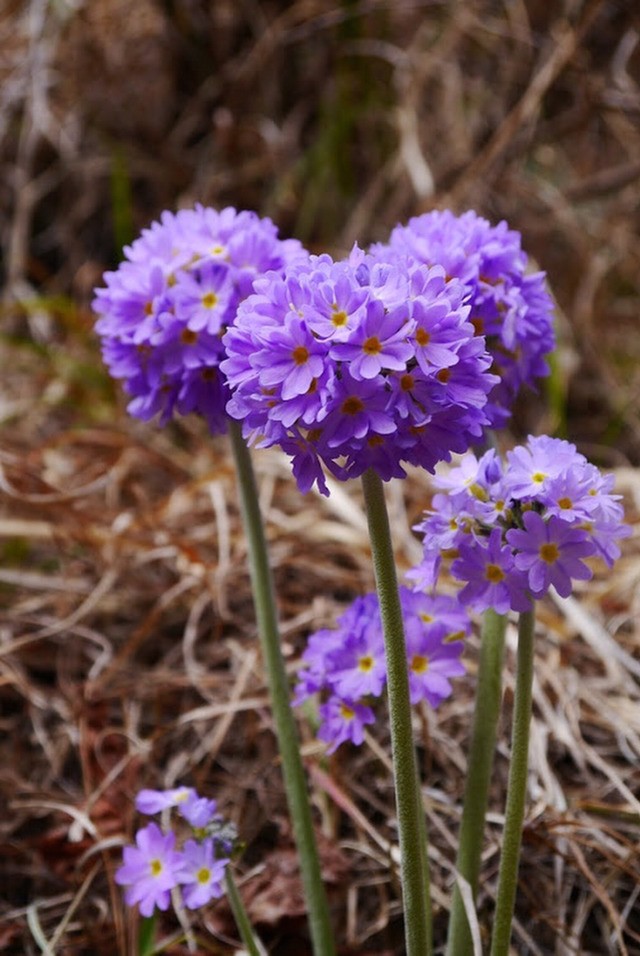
411,819
476,792
517,789
286,731
147,935
248,936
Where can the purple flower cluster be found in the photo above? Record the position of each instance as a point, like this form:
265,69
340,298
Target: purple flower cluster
511,308
358,364
513,530
346,665
163,312
154,867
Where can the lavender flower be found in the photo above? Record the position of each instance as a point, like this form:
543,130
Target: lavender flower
513,530
151,869
357,364
511,308
202,874
346,665
163,312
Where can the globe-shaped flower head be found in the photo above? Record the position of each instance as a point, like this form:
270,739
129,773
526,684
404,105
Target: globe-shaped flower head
358,364
509,306
164,310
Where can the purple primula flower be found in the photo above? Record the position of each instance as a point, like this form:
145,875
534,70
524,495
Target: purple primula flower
343,720
493,581
150,802
511,308
202,874
550,552
431,661
150,870
358,386
515,529
198,811
162,313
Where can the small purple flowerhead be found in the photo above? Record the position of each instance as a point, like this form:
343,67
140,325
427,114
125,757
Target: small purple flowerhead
514,529
508,305
357,364
163,311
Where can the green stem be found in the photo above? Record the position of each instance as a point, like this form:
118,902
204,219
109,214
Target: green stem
251,942
412,830
147,935
517,789
476,792
286,731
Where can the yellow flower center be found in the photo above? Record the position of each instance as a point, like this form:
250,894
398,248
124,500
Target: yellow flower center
203,875
443,375
419,664
209,300
347,712
188,337
366,663
427,618
156,867
494,573
339,317
549,552
538,477
407,382
565,503
422,337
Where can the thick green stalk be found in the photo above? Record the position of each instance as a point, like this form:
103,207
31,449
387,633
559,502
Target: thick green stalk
412,829
476,792
147,935
517,789
286,731
251,942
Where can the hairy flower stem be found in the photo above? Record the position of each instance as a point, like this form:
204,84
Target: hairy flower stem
412,828
286,731
517,788
476,792
251,942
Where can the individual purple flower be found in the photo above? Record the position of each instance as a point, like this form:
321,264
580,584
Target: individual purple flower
150,802
432,661
510,307
492,579
163,311
550,553
150,870
198,811
202,873
329,362
342,721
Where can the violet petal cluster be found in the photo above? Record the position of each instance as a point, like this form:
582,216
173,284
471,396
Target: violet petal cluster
155,866
511,530
511,307
162,313
346,667
358,364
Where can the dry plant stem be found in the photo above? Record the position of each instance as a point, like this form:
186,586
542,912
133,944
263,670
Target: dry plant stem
517,789
251,942
412,828
476,792
286,731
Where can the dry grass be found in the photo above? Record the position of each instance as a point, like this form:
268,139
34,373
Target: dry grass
127,643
